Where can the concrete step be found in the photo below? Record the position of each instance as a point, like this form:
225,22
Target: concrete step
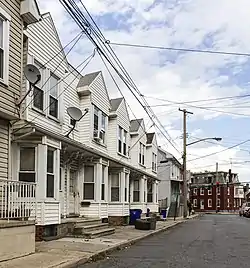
96,233
87,222
89,228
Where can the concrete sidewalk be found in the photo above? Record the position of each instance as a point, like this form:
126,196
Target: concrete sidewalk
69,252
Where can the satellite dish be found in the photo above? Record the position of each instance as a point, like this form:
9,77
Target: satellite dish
74,113
32,74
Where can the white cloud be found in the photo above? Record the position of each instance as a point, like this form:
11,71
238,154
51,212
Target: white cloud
168,75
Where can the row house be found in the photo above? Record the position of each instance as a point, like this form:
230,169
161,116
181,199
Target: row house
211,191
15,15
104,167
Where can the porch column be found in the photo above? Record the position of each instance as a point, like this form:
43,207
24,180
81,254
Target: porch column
98,181
131,190
106,181
145,190
154,192
142,181
122,186
41,172
57,175
127,186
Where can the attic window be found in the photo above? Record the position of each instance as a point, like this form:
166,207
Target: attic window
99,128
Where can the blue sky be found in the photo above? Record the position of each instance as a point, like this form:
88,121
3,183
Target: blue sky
196,24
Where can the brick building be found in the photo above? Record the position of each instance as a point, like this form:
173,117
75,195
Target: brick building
208,193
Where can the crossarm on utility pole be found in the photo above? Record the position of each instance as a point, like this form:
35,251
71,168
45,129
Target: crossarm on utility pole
185,188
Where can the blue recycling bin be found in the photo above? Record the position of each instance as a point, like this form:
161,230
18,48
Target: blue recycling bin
164,213
134,215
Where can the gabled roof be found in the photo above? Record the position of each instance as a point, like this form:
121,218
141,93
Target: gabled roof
87,79
115,103
150,137
135,124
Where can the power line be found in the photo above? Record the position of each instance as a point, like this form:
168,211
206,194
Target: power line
88,59
180,49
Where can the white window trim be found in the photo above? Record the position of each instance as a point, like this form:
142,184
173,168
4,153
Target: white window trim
202,191
195,203
218,190
195,191
94,182
100,128
209,191
57,98
208,203
122,140
54,172
143,146
228,202
228,190
119,180
6,42
218,203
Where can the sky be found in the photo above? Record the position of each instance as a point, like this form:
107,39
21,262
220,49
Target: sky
169,78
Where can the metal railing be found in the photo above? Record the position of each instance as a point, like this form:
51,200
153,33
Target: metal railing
17,200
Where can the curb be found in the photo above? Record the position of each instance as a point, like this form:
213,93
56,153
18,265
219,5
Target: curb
103,253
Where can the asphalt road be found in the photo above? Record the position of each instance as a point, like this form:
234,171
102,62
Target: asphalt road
214,241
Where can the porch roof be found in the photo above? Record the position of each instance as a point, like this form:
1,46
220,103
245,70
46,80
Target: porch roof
26,129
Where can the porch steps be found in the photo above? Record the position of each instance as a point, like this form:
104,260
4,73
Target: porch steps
91,228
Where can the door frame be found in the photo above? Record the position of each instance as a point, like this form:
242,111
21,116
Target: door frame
75,192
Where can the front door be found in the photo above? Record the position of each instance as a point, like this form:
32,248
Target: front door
202,204
73,193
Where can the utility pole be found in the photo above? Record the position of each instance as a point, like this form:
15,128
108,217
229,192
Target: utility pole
185,188
216,187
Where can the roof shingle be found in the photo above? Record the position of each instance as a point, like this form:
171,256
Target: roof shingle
87,79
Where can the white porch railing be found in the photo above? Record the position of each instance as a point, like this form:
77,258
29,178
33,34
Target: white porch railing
17,200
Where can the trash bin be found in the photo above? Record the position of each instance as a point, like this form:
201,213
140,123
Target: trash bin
134,215
164,213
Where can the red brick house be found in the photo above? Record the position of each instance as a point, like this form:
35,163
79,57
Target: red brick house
210,194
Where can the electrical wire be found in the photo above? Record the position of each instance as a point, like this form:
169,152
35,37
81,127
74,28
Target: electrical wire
81,21
87,61
181,49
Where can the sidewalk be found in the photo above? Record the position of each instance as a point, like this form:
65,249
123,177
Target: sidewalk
69,252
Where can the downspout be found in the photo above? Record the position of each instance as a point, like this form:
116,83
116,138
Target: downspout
9,150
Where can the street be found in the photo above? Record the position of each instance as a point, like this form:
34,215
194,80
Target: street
215,241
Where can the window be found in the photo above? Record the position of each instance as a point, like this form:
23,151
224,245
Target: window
150,192
119,139
218,190
4,45
122,141
195,191
99,125
115,188
27,168
136,192
209,191
218,202
126,187
228,202
154,162
210,202
228,191
53,96
50,187
89,183
201,191
195,203
142,154
103,184
38,93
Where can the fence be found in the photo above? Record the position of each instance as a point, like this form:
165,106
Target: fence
17,200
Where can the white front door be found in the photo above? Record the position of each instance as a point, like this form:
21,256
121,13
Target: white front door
73,193
202,204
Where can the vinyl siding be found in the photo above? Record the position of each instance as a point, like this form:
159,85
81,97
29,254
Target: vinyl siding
8,94
43,45
4,140
118,209
112,141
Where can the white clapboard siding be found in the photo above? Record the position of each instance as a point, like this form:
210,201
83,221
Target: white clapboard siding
43,45
9,94
4,140
85,125
48,213
103,210
153,207
112,141
118,209
91,211
141,206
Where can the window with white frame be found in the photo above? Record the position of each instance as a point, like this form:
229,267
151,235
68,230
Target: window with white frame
53,95
209,191
122,141
154,162
210,203
195,203
195,191
38,91
149,192
136,192
103,184
120,130
99,125
4,45
125,142
228,190
126,187
27,166
218,190
228,202
201,191
89,183
50,185
218,202
115,188
142,154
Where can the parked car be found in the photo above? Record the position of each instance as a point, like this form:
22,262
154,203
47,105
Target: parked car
244,208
